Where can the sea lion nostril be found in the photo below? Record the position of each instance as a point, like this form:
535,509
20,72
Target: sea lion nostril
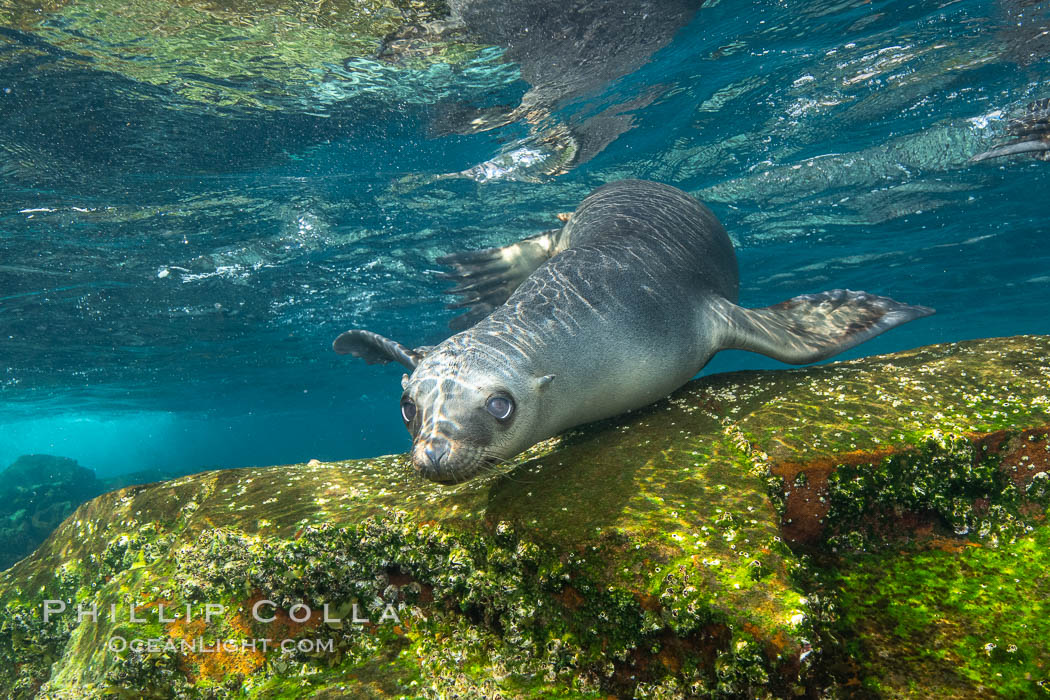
437,452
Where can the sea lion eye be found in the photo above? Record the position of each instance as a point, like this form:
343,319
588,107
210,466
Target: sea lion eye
408,410
500,406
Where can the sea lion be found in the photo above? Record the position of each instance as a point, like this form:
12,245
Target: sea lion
615,310
568,52
1030,134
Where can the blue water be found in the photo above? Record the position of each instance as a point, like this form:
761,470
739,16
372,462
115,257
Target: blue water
179,250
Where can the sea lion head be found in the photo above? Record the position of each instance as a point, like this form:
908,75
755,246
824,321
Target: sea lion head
469,408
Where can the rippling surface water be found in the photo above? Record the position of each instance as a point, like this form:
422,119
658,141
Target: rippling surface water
198,197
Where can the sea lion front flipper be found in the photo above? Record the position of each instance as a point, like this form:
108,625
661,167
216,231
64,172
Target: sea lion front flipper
375,349
486,278
813,327
1031,135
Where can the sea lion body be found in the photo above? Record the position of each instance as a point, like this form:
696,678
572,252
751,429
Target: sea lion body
615,314
620,307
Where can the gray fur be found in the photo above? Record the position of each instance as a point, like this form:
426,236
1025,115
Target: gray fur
637,294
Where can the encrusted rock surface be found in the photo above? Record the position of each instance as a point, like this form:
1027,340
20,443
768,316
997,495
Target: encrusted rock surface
877,525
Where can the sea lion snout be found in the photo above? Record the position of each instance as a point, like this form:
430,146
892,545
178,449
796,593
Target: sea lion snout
446,461
462,409
436,452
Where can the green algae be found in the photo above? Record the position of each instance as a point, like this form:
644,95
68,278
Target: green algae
948,476
568,608
859,447
899,399
647,555
966,622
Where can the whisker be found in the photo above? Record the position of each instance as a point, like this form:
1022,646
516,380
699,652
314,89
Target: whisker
493,464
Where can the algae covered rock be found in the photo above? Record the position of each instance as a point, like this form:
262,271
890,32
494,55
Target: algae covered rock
645,556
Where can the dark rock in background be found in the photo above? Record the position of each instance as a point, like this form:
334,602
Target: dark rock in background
38,492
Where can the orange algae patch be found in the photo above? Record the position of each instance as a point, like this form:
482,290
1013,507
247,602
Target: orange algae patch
212,659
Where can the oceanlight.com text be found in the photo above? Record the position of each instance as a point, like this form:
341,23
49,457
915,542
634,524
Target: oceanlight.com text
156,645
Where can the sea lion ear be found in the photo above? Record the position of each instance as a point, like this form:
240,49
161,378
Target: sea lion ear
404,381
375,349
544,382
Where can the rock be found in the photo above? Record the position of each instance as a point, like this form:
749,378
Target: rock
867,524
146,476
32,471
38,492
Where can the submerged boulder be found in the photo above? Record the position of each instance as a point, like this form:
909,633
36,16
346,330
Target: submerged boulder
872,524
38,492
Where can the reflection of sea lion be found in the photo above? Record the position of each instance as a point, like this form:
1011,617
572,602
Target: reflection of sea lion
566,50
617,309
1031,134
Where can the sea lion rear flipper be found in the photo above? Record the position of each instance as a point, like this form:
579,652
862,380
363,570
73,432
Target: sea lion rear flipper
375,349
486,278
1031,134
814,327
